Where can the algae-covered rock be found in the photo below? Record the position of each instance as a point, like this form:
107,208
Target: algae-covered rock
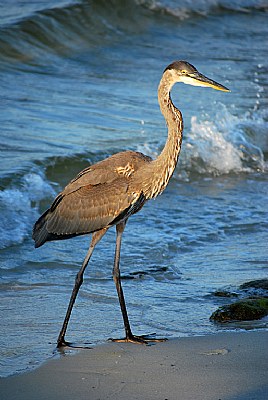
244,310
256,284
225,293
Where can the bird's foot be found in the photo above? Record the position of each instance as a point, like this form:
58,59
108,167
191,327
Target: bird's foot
63,344
143,339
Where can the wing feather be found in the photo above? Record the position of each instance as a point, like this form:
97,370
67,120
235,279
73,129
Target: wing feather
97,198
89,208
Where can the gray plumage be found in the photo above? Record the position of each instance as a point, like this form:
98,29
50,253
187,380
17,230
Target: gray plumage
99,196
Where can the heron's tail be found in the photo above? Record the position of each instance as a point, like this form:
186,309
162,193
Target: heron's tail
40,233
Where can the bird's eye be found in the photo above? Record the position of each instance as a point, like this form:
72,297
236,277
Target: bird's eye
183,72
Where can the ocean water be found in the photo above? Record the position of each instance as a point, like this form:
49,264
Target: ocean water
79,83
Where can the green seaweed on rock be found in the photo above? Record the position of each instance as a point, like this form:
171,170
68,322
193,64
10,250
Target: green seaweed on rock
244,310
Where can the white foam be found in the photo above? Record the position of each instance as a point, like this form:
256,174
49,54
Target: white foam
18,208
182,9
222,144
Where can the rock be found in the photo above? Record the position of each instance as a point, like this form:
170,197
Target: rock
244,310
257,284
225,293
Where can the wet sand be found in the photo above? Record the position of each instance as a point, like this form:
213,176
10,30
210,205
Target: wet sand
228,366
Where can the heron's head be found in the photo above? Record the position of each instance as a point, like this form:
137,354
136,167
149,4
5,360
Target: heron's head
182,71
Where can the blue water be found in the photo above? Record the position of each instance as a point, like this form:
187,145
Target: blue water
79,83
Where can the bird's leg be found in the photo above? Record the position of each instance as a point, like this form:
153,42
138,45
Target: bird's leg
78,282
116,276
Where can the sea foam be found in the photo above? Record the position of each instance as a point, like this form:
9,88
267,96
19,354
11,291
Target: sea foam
18,208
226,144
223,144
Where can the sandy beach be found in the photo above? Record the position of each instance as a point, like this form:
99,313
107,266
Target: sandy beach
228,366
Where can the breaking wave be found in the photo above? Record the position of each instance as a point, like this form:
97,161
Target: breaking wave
33,30
228,144
18,207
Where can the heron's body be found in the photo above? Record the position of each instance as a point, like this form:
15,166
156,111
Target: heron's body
100,196
109,192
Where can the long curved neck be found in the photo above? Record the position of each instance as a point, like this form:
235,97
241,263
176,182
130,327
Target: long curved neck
163,167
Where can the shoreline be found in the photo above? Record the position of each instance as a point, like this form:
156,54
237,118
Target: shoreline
223,366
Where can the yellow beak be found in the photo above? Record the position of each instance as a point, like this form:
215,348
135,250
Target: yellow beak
197,79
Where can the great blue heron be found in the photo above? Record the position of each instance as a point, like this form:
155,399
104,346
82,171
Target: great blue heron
110,191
